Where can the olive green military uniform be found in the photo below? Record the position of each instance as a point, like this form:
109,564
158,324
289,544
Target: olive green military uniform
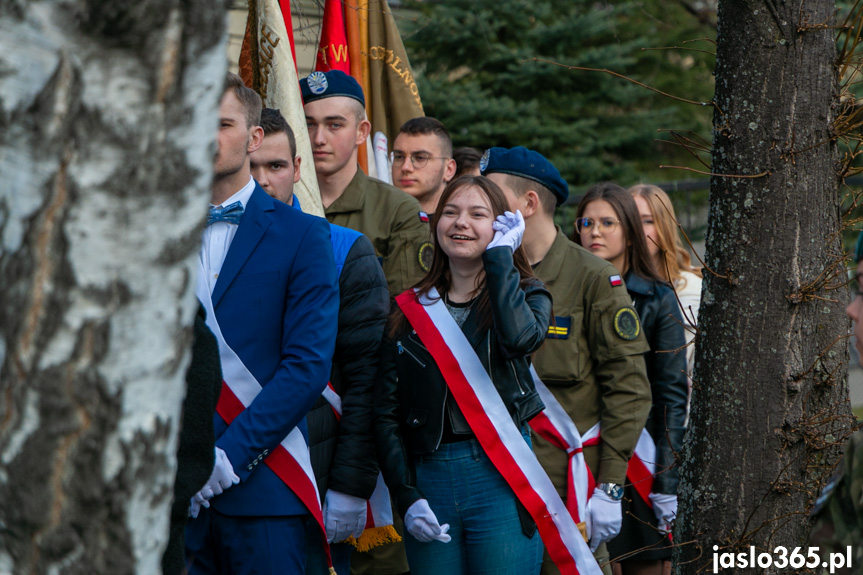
592,364
391,219
839,510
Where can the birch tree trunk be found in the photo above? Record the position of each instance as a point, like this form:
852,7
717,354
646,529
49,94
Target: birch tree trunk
770,407
108,115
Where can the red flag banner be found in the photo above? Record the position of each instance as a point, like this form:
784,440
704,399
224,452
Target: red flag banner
333,48
394,97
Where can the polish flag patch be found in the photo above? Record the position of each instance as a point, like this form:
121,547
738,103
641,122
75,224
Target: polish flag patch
424,217
615,280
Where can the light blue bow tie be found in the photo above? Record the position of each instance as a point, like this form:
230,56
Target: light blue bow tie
230,214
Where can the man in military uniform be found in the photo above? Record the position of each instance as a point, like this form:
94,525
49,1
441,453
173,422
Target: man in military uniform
392,220
838,511
592,365
422,160
334,106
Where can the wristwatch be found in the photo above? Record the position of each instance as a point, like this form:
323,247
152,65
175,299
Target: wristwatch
613,490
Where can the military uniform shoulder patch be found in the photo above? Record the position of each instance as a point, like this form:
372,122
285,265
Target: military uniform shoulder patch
615,280
424,217
560,328
425,256
626,324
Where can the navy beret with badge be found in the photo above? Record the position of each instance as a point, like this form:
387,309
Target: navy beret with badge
319,85
520,161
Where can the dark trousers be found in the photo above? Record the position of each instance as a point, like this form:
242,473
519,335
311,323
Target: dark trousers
316,560
219,544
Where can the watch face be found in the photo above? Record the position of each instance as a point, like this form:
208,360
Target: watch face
613,490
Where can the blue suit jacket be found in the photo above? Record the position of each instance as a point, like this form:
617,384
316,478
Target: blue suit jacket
276,301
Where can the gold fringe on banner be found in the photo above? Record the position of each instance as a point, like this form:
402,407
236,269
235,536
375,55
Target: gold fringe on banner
375,537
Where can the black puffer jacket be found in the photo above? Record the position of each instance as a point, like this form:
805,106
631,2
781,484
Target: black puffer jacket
343,453
662,322
411,394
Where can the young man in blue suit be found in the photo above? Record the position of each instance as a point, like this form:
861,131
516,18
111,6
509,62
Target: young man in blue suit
342,449
271,275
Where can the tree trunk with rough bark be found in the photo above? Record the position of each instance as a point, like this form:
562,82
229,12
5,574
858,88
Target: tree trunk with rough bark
769,411
108,115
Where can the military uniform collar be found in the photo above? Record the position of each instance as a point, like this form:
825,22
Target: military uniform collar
354,196
638,284
554,259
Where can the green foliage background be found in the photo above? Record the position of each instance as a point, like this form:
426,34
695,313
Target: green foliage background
474,69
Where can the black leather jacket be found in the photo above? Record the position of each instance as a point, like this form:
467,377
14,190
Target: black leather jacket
662,322
411,394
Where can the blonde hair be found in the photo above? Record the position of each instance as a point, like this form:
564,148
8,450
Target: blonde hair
671,250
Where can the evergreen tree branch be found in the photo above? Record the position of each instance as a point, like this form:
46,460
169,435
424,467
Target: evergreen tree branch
628,79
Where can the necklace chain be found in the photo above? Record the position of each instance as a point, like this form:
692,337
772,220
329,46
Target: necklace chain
448,301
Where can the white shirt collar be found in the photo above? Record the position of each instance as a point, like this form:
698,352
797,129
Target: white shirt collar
242,196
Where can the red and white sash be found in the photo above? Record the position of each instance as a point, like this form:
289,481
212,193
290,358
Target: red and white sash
333,399
379,518
290,459
492,424
642,467
556,426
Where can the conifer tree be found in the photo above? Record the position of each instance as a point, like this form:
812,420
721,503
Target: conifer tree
474,62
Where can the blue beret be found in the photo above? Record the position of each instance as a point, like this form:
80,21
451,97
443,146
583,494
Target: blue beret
319,85
520,161
858,251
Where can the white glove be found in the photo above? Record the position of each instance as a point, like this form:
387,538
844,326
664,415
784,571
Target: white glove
223,476
605,518
508,230
200,499
421,522
665,509
344,515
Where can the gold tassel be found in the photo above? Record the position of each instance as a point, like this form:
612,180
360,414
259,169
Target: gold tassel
583,528
333,571
375,537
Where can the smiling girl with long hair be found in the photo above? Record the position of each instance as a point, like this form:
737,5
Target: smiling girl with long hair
460,513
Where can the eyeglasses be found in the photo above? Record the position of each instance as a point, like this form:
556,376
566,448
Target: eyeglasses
418,159
606,225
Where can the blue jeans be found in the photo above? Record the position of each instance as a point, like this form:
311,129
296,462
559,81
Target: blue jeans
464,489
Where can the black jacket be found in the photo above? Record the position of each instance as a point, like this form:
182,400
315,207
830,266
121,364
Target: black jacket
662,322
195,450
411,394
343,453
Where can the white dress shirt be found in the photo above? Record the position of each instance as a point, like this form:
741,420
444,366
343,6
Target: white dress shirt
219,235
